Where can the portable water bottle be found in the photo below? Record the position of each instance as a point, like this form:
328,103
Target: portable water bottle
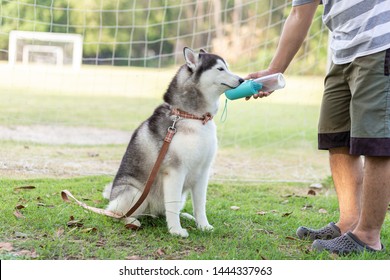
250,87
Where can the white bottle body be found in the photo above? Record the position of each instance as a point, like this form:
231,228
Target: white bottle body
271,82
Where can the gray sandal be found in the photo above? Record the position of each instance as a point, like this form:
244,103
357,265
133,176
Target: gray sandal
345,244
329,231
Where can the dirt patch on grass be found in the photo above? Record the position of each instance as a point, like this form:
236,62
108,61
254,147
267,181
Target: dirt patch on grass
59,151
62,135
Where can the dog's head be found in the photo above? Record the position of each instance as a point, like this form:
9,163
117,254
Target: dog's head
210,72
198,84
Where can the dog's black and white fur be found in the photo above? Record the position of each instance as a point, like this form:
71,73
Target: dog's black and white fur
195,89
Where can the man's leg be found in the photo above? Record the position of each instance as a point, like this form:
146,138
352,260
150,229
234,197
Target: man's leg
334,131
370,136
347,173
375,200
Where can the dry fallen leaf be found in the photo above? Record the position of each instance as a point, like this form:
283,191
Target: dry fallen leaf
45,205
100,243
59,232
135,257
6,246
307,207
18,215
322,211
22,200
311,192
265,231
72,230
235,208
160,252
88,230
24,188
74,223
291,238
261,213
287,214
26,253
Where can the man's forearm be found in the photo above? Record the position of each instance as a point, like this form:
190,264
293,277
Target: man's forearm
294,33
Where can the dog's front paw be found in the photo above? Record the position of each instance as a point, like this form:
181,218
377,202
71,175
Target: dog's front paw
205,227
179,231
132,223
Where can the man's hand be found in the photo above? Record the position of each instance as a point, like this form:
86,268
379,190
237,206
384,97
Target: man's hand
256,75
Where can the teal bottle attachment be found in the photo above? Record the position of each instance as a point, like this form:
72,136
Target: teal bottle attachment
247,88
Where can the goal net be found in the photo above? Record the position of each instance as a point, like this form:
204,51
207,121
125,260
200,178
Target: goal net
146,38
153,33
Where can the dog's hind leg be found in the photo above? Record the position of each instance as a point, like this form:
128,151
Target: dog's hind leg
173,198
107,191
125,199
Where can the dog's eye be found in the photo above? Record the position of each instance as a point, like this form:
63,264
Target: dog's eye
220,69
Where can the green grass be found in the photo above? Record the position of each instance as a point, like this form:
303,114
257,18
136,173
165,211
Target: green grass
116,112
243,234
267,139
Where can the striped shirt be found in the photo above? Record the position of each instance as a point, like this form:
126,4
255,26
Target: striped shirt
359,27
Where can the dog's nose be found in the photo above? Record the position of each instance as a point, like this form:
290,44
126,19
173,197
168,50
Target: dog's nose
241,80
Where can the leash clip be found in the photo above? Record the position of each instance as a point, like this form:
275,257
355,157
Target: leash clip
172,127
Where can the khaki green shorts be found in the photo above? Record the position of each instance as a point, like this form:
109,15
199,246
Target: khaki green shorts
355,109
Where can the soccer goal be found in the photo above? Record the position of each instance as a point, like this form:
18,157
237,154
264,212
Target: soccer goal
45,48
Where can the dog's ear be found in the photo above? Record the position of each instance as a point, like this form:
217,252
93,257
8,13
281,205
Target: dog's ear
203,51
190,57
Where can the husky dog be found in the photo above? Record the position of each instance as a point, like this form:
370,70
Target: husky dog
195,89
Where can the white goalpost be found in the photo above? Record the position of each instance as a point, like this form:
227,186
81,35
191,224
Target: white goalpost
45,48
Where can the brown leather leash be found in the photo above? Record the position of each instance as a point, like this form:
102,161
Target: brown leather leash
178,114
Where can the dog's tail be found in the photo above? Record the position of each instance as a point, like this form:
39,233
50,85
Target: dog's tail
65,194
107,191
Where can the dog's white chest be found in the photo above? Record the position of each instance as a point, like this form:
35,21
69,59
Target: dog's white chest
194,143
